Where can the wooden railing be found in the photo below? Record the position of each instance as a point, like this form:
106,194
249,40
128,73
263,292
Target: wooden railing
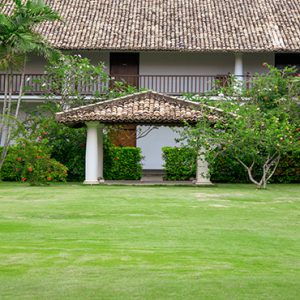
168,84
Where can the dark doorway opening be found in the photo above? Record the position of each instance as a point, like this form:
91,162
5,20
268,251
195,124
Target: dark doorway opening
124,67
287,59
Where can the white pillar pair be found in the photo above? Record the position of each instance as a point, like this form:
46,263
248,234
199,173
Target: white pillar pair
94,153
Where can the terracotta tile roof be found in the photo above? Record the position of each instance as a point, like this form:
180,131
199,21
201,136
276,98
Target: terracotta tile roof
140,108
181,25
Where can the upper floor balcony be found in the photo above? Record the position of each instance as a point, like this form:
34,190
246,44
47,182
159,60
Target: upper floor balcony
35,84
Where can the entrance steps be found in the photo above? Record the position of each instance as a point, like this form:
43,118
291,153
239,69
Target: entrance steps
153,176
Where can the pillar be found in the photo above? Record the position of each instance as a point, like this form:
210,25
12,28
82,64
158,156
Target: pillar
239,70
92,154
202,173
238,67
100,154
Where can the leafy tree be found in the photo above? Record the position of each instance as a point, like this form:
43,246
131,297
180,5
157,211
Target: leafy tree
18,39
257,132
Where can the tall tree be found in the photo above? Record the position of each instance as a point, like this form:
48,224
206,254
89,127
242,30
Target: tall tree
18,39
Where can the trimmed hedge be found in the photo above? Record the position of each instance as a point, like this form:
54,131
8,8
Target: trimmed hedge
180,164
122,163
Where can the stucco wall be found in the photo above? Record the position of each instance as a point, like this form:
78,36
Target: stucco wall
168,63
152,144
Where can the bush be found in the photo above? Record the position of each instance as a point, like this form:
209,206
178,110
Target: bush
68,147
8,170
30,162
288,170
180,164
122,163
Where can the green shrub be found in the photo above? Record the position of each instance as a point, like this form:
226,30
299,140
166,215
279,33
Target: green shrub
30,162
122,163
9,171
68,147
179,163
288,170
227,169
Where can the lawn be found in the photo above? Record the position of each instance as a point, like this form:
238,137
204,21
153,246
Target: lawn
120,242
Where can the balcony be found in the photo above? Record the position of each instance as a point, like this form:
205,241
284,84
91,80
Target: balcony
168,84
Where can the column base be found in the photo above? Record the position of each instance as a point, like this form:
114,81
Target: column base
91,182
208,182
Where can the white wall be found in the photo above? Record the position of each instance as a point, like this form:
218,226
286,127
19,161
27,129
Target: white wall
152,143
171,63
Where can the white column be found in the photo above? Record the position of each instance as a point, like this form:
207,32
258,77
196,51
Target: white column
239,71
202,172
238,67
91,154
100,154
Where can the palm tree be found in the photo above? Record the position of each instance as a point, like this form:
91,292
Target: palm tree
18,39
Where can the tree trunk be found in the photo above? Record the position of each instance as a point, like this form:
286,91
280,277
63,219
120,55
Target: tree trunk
2,121
268,169
7,120
21,90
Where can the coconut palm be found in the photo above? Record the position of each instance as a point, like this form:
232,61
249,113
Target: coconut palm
18,39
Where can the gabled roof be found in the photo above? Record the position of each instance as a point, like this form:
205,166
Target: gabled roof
176,25
140,108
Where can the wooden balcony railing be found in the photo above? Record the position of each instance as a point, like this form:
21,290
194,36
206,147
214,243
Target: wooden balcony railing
168,84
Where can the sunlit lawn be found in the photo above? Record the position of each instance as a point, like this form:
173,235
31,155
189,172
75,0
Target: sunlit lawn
121,242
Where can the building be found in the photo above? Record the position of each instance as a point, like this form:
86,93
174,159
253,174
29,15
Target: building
173,46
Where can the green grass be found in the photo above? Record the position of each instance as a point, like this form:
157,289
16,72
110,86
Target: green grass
120,242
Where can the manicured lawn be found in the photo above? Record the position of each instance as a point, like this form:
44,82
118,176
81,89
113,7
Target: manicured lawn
103,242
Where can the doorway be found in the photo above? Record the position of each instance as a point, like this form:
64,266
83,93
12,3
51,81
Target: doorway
124,67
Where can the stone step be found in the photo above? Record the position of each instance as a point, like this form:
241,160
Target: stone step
153,175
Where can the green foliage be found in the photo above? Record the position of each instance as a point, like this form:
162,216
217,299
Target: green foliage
257,133
67,146
288,170
17,35
8,170
70,76
122,163
179,163
274,87
31,162
36,166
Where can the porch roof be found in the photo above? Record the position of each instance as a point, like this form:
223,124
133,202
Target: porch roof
174,25
140,108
